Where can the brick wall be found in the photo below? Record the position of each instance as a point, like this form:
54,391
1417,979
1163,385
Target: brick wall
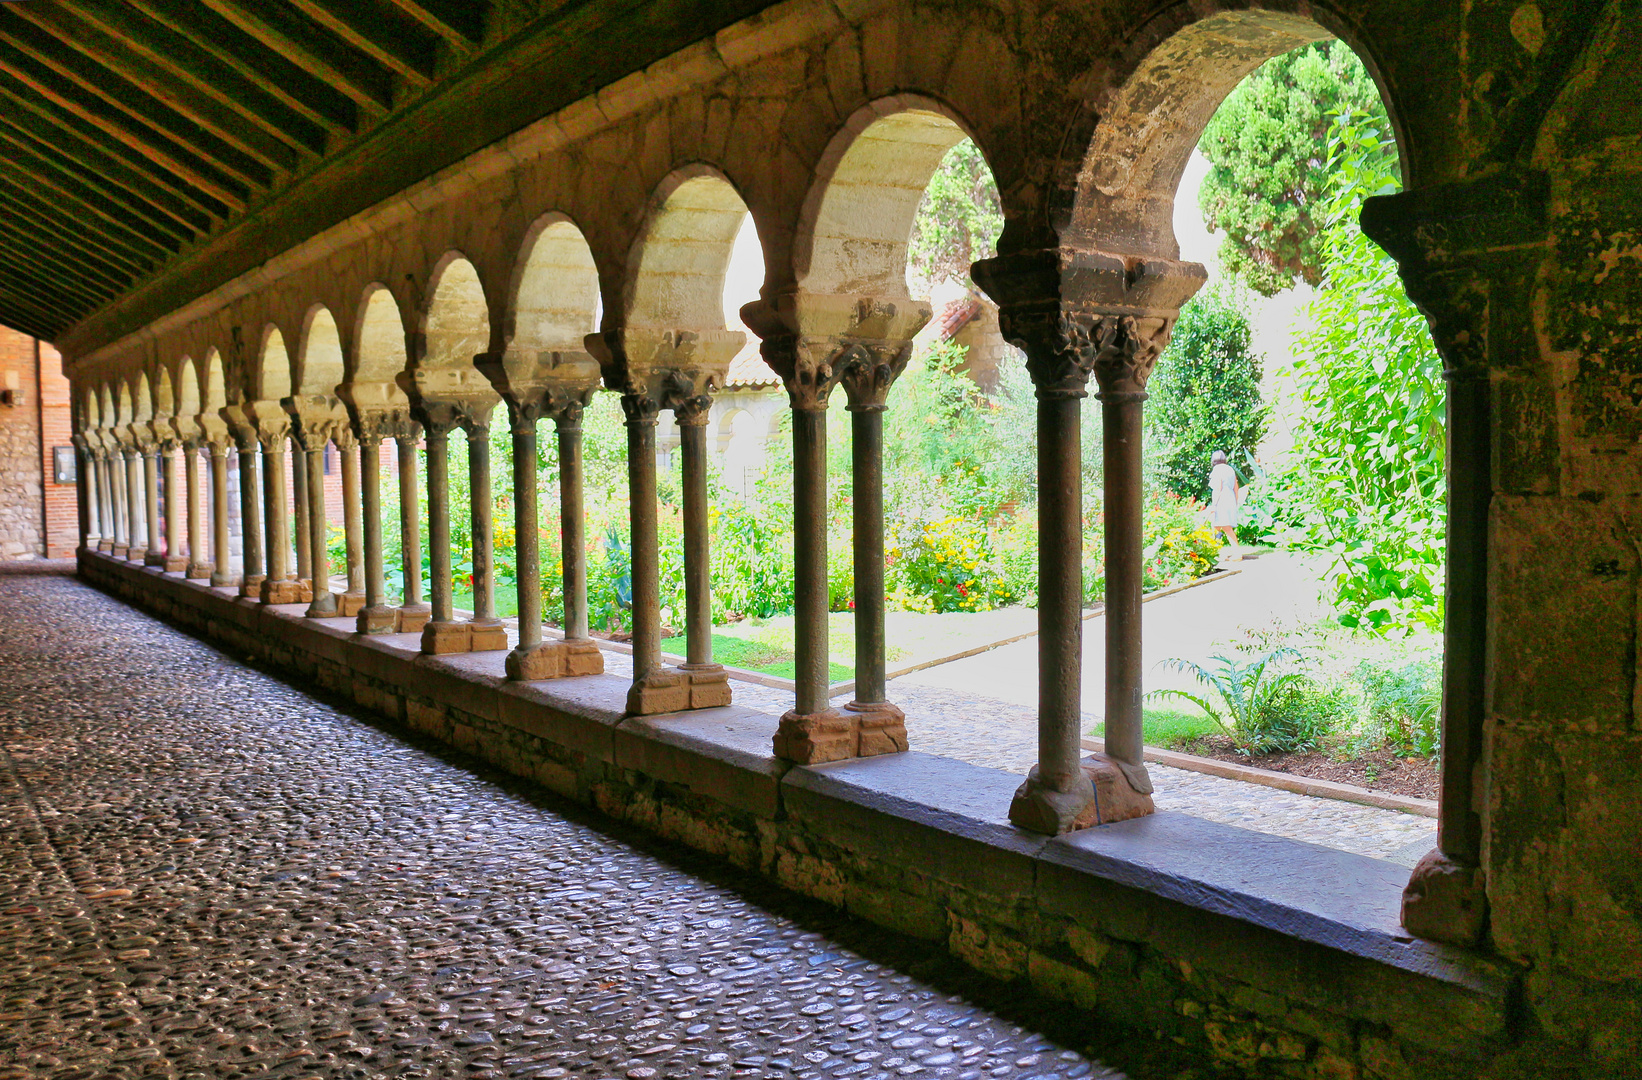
37,516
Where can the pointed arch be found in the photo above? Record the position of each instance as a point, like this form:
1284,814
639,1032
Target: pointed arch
379,337
215,385
555,294
456,324
677,267
271,377
319,363
165,395
188,389
857,219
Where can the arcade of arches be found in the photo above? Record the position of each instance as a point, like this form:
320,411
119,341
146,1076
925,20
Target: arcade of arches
585,254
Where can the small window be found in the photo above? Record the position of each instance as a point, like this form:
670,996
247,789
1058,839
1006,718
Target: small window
65,465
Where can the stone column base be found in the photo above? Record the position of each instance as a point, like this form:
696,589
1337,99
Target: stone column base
665,690
554,660
118,550
105,546
882,728
443,638
1103,795
411,619
377,620
348,605
289,591
200,570
154,558
135,553
709,685
487,636
814,738
222,579
251,587
176,564
1445,901
322,606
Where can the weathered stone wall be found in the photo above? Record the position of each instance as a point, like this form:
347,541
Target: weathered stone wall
38,517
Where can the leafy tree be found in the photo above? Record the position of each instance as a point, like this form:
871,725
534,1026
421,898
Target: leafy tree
958,221
1205,393
1268,147
1369,476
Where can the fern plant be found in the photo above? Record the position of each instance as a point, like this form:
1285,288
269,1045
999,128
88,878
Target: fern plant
1261,707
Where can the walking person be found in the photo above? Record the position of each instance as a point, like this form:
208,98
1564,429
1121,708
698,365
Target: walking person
1225,493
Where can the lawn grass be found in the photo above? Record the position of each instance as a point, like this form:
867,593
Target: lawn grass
1169,729
507,602
760,656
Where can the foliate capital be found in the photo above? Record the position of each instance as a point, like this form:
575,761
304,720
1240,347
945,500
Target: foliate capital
642,409
808,374
868,372
1060,350
1126,350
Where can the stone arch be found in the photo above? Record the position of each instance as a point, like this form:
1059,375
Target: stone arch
188,389
90,412
379,337
857,218
107,399
726,429
456,322
165,395
271,379
319,364
1177,70
214,391
555,291
141,406
677,266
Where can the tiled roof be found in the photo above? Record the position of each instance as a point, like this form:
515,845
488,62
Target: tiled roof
748,369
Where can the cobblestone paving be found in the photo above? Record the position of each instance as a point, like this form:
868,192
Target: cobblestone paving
205,872
1000,735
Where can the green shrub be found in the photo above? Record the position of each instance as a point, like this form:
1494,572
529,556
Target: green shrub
948,561
752,561
1263,708
1404,704
1017,553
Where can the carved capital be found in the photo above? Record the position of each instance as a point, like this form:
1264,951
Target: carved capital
641,409
808,374
868,371
1126,350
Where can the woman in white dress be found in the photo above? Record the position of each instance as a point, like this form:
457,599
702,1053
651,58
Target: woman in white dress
1223,499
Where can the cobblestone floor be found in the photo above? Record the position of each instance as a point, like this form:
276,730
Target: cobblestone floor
205,872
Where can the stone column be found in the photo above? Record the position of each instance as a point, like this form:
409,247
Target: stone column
198,565
813,732
137,529
110,502
153,554
867,377
655,689
375,617
351,602
442,634
221,540
323,604
176,562
531,658
300,536
709,686
485,630
86,493
412,614
253,569
278,586
1467,254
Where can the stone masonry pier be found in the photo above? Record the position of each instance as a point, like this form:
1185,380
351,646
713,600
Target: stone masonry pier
1272,956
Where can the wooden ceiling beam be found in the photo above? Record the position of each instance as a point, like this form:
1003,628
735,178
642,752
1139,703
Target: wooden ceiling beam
460,22
22,278
133,251
242,54
149,144
322,56
99,89
71,265
122,259
54,175
235,127
24,315
90,264
63,195
84,143
397,43
206,73
90,166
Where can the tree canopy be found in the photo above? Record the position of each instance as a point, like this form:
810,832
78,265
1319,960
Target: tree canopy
958,221
1268,148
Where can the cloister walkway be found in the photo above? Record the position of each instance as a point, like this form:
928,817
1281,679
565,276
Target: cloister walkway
205,872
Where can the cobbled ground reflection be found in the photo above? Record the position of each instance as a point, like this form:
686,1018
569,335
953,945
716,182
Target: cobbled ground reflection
210,873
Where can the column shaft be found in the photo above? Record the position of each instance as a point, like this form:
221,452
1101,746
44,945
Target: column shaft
572,527
197,564
377,617
277,525
1122,454
410,533
810,560
698,571
527,533
483,514
323,604
90,512
300,529
221,570
645,556
1060,592
175,515
135,503
439,584
352,520
1465,630
252,567
867,499
151,501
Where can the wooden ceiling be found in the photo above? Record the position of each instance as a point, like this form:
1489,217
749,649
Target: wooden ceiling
134,132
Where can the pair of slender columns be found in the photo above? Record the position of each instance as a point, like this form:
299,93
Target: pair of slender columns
280,585
197,565
815,732
699,683
575,653
220,572
137,548
174,561
253,572
484,632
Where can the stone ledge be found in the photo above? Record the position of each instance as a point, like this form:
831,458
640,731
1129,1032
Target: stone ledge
926,835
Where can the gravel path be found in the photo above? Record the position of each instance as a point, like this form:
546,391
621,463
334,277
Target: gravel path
205,872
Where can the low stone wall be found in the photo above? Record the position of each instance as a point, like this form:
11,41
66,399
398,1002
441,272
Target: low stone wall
1272,957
